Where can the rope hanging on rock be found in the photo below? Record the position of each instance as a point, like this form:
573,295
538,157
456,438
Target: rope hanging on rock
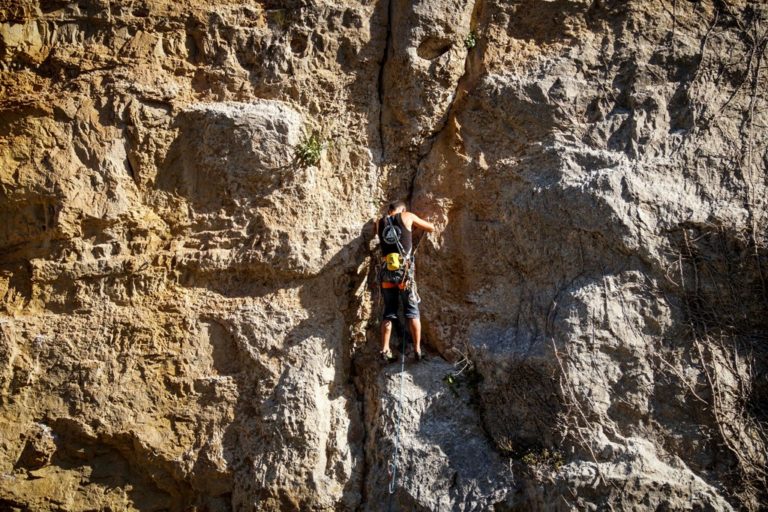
392,466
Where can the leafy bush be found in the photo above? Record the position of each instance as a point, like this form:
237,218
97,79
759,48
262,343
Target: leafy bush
469,379
309,150
470,41
543,463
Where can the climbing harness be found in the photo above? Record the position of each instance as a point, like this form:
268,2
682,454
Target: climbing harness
400,267
396,268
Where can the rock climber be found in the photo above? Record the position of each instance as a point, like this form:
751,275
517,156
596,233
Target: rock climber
395,232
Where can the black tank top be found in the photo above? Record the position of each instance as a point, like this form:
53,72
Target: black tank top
388,235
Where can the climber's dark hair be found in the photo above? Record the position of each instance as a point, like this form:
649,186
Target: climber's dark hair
394,205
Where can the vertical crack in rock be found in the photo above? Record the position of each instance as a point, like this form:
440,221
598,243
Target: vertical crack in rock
463,86
381,82
360,385
157,235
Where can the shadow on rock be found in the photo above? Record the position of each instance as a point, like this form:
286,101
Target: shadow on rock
295,437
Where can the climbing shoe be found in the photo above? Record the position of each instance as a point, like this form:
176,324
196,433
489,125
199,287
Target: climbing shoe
387,356
419,356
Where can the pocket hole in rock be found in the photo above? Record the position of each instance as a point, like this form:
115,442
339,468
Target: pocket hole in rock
433,47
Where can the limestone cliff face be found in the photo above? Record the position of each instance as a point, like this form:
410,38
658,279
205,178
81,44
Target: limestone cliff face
187,322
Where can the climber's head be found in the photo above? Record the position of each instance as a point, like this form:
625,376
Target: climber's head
396,207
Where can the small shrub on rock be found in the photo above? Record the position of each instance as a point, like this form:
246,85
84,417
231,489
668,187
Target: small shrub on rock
309,150
470,41
543,463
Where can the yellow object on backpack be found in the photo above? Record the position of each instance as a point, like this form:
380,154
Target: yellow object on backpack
393,261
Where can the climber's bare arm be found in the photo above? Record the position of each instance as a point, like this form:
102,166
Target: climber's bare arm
418,222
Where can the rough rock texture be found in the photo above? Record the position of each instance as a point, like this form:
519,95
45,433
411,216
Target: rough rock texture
623,185
445,459
186,318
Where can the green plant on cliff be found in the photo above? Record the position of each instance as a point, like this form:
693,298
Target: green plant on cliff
471,40
544,462
309,149
465,374
452,383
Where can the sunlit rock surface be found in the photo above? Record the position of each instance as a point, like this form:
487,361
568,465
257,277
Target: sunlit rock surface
187,320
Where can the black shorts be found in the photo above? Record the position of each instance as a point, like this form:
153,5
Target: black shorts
391,303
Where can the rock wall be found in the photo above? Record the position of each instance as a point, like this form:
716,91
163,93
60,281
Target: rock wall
187,318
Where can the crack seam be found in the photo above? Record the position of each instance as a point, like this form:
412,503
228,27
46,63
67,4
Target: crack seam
457,94
380,85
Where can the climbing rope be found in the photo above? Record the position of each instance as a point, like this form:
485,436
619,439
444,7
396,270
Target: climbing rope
392,466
